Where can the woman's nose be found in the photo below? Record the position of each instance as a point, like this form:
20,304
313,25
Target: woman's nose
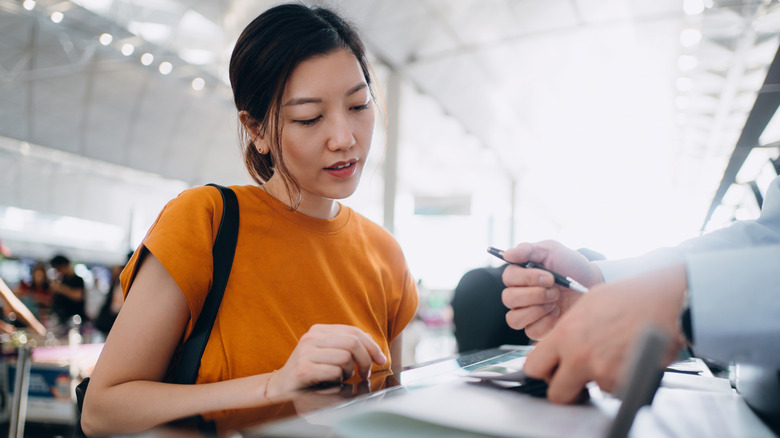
340,135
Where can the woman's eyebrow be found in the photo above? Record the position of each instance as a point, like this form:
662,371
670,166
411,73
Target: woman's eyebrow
305,100
356,88
302,100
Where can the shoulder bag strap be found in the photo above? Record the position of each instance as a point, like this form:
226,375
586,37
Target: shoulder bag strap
223,251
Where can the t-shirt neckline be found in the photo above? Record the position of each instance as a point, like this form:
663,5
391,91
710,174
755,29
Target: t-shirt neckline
332,225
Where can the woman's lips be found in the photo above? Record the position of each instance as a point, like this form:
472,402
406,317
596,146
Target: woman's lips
342,169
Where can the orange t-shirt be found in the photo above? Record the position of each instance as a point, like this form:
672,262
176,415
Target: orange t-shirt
290,271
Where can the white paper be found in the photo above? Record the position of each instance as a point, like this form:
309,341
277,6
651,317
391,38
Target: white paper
686,413
477,410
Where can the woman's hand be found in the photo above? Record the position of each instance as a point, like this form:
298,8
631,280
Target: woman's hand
535,302
326,353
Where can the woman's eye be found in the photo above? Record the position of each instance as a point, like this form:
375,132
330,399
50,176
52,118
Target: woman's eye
308,122
361,107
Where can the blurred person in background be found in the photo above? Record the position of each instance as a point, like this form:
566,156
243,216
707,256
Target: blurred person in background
37,293
112,302
68,291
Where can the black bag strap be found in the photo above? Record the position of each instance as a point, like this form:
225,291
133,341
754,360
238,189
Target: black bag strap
223,252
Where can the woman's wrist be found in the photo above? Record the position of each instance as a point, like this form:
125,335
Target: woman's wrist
267,395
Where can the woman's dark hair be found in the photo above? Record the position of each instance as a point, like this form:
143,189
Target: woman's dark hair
263,59
39,267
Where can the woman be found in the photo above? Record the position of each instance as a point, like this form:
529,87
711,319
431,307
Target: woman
317,293
36,294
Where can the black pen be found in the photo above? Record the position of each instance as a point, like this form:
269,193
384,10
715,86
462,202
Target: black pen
559,279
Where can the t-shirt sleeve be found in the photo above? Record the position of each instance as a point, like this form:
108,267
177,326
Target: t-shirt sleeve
404,306
182,238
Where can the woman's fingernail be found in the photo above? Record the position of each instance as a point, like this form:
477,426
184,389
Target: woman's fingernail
551,294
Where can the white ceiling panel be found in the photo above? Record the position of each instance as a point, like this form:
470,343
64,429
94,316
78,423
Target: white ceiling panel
545,87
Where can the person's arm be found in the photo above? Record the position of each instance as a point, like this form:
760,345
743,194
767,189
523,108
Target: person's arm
396,356
735,310
73,293
117,299
126,394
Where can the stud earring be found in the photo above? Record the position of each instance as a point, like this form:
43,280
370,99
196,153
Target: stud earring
259,148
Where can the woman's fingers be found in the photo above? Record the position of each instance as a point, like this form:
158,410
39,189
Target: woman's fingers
330,364
333,352
362,349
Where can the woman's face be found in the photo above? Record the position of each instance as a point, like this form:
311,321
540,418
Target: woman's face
327,123
39,275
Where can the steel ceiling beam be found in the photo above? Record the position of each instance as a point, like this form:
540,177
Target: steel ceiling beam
767,102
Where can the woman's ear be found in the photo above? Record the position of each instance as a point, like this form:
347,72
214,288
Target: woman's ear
254,129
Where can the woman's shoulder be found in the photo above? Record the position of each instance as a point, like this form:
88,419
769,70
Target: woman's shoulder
368,224
200,199
374,232
211,195
197,195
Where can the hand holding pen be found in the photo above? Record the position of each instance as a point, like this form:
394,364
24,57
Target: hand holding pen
559,279
537,299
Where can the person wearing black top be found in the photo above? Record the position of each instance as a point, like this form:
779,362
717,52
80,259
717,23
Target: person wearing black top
68,289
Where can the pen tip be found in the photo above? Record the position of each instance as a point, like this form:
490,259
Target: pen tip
496,252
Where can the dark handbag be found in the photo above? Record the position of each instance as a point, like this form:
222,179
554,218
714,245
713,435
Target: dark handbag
223,251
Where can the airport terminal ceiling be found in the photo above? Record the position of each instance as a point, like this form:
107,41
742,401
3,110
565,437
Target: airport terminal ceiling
637,103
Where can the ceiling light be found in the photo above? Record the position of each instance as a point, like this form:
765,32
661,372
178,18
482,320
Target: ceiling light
198,84
154,32
28,4
693,7
687,62
57,16
684,84
197,56
690,37
106,38
147,58
165,67
127,49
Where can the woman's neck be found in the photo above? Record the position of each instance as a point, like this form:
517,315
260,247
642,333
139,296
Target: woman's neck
310,205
